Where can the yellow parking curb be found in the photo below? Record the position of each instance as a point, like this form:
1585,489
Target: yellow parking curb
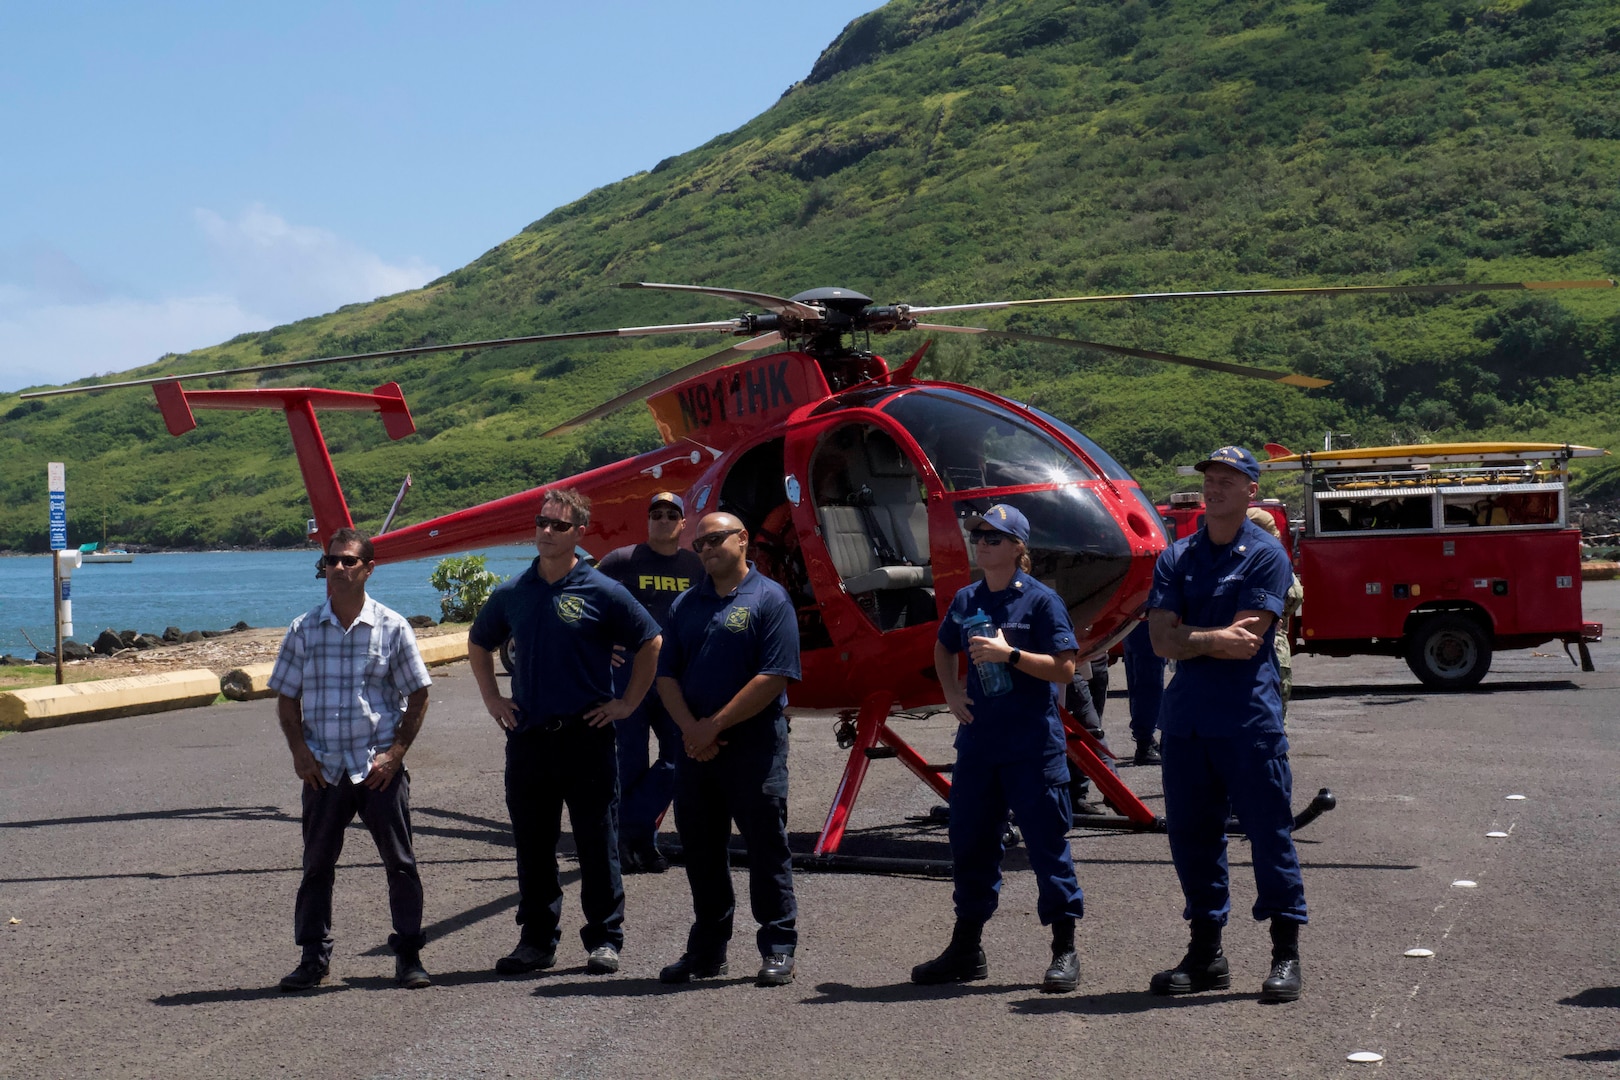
253,681
105,699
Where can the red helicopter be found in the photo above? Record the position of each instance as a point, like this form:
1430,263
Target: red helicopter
854,479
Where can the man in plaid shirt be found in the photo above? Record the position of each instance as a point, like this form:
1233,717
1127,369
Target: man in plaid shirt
352,693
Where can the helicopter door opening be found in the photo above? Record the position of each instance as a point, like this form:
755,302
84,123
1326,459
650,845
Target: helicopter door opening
753,491
869,502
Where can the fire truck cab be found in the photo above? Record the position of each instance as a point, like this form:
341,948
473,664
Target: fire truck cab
1439,554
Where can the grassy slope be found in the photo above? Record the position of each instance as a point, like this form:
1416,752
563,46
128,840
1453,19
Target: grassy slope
956,151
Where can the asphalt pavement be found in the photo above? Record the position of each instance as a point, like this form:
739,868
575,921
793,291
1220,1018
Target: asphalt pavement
148,866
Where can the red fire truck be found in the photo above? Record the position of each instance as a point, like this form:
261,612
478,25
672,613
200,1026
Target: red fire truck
1438,554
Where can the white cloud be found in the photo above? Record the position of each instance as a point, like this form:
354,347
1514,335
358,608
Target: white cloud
56,327
294,271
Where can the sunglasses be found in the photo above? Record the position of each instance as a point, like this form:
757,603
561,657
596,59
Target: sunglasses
554,524
988,537
664,515
348,562
714,539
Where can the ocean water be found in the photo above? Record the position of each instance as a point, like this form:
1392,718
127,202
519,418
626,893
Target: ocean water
202,591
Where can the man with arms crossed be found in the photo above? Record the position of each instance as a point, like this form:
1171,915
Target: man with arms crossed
1214,606
732,648
565,618
352,693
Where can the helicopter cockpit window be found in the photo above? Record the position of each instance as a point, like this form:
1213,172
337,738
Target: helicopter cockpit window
972,444
870,504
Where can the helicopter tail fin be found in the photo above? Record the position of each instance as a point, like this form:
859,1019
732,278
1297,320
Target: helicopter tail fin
1277,450
299,404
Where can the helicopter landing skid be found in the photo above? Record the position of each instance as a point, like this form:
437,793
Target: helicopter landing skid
875,739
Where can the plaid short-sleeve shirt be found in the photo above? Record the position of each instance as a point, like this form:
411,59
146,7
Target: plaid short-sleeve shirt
352,683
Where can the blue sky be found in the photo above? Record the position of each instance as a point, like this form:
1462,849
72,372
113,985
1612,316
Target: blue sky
178,173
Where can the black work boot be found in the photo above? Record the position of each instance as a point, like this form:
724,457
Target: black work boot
1203,968
1286,980
409,972
962,961
1063,976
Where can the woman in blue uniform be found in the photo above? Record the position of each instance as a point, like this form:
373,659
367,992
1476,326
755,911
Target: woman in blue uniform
1009,751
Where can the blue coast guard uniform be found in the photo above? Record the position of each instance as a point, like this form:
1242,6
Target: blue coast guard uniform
1223,743
1012,756
714,646
565,633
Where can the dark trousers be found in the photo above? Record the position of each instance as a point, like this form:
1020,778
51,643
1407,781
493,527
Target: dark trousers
544,771
747,785
327,813
1084,697
1251,774
1144,682
1037,792
645,791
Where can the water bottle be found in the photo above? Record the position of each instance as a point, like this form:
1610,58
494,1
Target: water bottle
994,678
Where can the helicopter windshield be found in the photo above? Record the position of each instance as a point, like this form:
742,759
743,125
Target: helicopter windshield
972,444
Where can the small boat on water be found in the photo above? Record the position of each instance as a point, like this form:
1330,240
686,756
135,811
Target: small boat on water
90,553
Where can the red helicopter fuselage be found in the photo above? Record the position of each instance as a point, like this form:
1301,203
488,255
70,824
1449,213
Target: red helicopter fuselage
855,500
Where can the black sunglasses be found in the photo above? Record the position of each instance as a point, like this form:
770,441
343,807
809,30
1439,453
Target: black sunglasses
664,515
348,562
554,524
988,537
714,539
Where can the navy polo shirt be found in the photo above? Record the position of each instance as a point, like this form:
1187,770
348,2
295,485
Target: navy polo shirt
565,634
1207,585
715,644
1023,723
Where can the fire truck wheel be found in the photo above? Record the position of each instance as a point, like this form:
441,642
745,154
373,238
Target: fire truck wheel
508,655
1449,651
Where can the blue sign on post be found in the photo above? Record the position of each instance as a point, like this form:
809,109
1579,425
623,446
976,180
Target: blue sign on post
58,488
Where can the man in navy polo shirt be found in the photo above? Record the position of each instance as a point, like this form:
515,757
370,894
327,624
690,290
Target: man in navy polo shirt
1215,602
1009,751
655,573
731,649
565,619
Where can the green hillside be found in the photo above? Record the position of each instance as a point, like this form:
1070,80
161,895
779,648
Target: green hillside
958,150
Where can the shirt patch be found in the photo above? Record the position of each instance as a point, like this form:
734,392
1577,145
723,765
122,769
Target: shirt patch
737,620
570,608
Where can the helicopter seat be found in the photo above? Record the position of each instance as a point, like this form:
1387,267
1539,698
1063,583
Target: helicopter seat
854,555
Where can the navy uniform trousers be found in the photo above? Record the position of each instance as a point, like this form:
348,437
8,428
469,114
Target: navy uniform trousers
1037,792
746,784
645,790
1250,774
577,766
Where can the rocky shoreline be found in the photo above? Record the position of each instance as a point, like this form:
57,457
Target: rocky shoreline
130,652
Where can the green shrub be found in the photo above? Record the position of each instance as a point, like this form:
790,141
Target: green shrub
464,583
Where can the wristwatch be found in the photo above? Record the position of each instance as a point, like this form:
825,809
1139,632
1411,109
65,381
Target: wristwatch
1017,655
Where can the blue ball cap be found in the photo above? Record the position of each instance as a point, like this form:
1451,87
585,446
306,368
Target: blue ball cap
669,497
1234,457
1002,518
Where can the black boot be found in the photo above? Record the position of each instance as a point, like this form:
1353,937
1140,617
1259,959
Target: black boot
1063,976
1203,968
1286,980
962,961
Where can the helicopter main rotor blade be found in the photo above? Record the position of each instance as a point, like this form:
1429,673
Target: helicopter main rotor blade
729,326
1324,290
664,382
778,304
1287,378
